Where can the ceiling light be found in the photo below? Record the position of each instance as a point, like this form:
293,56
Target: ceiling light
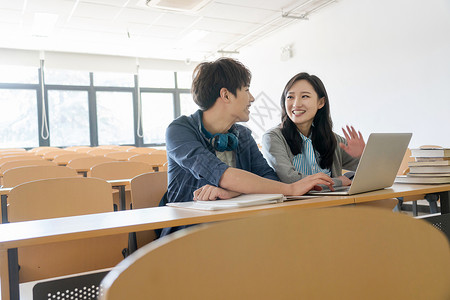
194,36
179,5
44,24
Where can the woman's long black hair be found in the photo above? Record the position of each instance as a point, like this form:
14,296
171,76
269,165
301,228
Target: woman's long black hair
322,135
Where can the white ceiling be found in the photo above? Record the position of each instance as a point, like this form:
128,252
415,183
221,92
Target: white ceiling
130,28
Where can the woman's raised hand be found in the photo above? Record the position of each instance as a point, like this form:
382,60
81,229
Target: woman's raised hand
355,142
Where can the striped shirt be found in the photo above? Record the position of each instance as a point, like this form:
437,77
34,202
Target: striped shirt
306,163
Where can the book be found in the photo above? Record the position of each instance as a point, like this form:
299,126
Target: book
422,180
429,174
429,163
430,169
423,159
244,200
430,152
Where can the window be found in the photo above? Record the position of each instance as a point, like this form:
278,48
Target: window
16,74
184,80
187,104
157,79
18,118
65,77
114,79
68,118
115,118
157,114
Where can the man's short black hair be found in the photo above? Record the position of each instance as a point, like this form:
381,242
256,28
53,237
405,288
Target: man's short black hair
210,77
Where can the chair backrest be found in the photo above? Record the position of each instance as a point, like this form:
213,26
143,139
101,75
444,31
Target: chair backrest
119,170
5,154
152,159
18,157
83,149
141,150
123,148
85,163
50,155
19,175
62,197
12,150
59,197
120,155
74,148
336,253
101,151
146,191
106,146
22,163
37,150
64,158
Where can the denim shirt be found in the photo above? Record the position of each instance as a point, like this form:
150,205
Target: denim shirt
193,162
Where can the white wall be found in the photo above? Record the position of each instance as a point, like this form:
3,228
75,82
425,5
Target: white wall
385,64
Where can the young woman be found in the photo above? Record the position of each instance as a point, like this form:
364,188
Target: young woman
304,143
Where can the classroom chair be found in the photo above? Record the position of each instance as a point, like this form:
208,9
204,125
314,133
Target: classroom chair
328,253
63,159
120,155
5,154
18,157
63,197
100,151
12,150
123,148
83,149
106,146
120,170
37,150
50,155
164,167
439,221
22,163
156,160
83,164
19,175
74,148
141,150
146,191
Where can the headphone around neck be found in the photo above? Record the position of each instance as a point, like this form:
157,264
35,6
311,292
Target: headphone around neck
221,141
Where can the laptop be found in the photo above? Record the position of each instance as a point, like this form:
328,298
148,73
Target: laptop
378,165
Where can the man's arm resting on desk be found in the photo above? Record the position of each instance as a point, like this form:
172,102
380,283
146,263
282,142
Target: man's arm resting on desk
248,183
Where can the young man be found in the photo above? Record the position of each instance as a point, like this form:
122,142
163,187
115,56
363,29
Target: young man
210,156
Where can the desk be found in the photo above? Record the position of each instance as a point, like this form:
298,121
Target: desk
4,203
403,190
21,234
120,184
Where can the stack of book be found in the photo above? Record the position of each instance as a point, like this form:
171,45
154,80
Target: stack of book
431,166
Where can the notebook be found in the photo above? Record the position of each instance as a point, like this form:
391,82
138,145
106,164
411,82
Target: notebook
244,200
236,202
378,165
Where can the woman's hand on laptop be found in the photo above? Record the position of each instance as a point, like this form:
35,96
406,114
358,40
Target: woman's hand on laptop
355,142
210,192
345,181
